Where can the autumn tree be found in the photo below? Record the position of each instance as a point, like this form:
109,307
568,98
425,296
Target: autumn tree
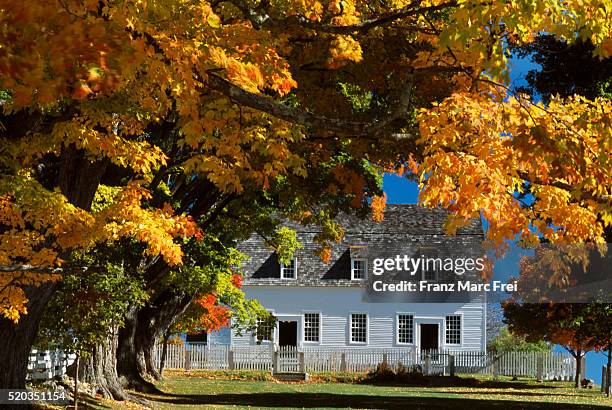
212,116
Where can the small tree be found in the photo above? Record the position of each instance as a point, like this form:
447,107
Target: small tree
506,341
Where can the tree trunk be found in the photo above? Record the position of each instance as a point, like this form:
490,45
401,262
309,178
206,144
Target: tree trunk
16,340
99,369
578,357
609,373
137,339
76,381
130,357
162,360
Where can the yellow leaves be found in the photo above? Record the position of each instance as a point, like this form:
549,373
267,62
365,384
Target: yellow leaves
265,68
344,49
480,151
41,225
378,207
141,156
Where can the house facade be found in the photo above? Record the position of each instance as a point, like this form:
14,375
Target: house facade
322,304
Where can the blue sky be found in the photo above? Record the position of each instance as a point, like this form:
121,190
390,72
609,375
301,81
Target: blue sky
402,191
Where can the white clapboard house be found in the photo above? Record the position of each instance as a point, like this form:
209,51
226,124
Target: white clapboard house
320,304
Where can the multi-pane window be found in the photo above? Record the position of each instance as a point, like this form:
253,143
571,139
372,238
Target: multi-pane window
359,328
358,269
311,327
289,271
405,328
264,330
431,263
430,275
453,330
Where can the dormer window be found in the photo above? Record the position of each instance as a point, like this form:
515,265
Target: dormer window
432,264
358,269
289,271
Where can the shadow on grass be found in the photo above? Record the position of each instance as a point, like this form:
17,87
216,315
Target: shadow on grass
311,400
448,381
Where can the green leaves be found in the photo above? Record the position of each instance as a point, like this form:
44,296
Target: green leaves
285,243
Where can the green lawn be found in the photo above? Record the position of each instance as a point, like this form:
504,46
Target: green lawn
188,392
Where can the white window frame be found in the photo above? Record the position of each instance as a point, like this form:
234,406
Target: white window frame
295,270
365,268
272,332
367,329
397,329
460,329
310,342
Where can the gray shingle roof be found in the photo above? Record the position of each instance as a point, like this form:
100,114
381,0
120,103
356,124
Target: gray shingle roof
406,229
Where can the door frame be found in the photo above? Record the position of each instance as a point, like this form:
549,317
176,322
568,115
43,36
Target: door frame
288,318
423,320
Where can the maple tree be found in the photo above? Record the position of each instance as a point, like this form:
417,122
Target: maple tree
185,111
561,299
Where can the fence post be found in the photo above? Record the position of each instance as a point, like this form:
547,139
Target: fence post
385,362
603,378
426,364
451,365
539,368
187,359
275,362
230,359
302,362
496,369
343,362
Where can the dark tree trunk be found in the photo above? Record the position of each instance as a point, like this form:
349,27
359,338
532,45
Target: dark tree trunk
130,358
162,359
578,357
16,340
137,339
609,373
99,369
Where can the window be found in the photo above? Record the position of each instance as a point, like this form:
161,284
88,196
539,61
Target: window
358,269
359,328
405,328
264,330
289,271
453,330
431,263
430,275
311,327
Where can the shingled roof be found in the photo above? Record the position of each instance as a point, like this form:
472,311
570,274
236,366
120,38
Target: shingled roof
406,229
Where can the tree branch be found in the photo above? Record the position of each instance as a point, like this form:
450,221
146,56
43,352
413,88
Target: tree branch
411,9
28,268
308,119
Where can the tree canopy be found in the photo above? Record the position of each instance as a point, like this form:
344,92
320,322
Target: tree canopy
209,101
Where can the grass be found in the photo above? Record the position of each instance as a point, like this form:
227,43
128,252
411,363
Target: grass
222,390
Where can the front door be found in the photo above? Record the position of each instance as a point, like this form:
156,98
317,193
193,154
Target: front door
429,336
287,333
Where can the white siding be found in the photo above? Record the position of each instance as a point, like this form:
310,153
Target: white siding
336,305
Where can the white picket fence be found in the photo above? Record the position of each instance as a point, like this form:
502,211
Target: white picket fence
545,365
47,364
